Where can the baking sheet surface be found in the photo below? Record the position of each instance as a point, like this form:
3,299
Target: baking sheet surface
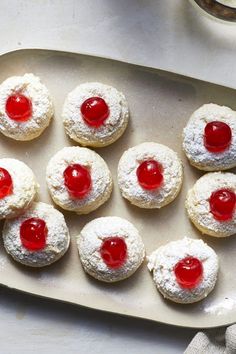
160,104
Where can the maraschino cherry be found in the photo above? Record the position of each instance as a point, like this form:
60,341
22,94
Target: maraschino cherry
19,107
149,174
188,272
114,252
95,111
33,234
222,204
6,184
77,180
217,136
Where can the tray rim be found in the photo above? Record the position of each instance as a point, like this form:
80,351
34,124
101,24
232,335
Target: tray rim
107,57
140,318
150,68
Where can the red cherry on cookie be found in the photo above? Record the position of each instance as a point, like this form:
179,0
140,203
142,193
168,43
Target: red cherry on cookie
222,204
6,184
114,252
188,272
33,234
77,180
19,107
149,174
94,111
217,136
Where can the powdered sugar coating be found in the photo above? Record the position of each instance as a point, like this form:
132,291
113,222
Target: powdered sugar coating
198,207
57,241
112,128
162,262
172,174
100,174
90,241
193,138
30,86
24,188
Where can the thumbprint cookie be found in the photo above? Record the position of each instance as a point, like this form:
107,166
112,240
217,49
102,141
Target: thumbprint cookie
150,175
25,107
110,249
78,179
95,114
38,237
184,271
18,187
209,138
211,204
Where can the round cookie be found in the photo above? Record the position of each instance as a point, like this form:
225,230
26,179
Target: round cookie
18,187
37,238
25,107
211,204
184,271
150,175
110,249
78,179
95,114
209,138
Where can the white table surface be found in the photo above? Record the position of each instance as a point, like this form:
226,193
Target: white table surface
168,34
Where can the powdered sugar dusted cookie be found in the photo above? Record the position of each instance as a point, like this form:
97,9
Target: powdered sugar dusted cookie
184,271
150,175
95,114
78,179
37,238
110,248
25,107
18,187
209,139
211,204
